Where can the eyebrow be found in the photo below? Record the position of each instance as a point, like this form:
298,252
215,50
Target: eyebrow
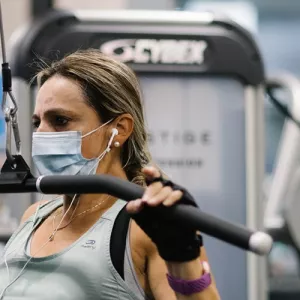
57,111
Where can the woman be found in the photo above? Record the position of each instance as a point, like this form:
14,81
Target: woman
88,119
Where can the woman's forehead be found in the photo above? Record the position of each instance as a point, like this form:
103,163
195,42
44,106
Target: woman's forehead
60,92
60,87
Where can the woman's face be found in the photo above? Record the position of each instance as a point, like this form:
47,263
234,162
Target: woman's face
61,106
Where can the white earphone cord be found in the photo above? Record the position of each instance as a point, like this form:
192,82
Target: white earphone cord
17,249
24,241
100,157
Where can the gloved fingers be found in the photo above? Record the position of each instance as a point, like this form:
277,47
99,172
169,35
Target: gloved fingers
151,172
158,198
173,198
134,206
153,176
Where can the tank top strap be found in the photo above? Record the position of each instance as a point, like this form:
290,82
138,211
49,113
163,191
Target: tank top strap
46,209
113,212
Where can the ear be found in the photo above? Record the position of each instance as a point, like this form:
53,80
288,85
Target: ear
124,124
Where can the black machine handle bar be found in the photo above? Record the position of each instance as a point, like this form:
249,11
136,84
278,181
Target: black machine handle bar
237,235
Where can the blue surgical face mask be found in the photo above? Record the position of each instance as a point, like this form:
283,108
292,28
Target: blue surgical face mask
59,153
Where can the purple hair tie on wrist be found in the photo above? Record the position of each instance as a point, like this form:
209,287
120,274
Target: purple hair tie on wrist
188,287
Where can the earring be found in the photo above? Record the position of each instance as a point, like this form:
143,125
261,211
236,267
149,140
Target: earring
116,144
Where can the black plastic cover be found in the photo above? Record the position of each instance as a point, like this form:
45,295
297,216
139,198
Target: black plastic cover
218,48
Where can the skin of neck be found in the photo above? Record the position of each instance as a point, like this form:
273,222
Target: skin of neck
109,165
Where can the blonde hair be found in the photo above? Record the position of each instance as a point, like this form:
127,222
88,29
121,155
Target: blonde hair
112,89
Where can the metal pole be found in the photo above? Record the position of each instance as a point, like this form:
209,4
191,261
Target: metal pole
257,275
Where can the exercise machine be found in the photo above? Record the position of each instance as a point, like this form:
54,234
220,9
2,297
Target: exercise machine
202,79
283,205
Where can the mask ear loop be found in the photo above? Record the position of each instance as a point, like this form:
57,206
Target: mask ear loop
108,148
99,158
94,130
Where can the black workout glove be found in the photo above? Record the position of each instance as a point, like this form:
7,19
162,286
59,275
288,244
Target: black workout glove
175,242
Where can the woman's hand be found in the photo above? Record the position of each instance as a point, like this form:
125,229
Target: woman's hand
155,194
175,241
178,245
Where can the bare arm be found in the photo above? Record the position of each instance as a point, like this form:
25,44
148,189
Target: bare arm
193,270
158,269
160,193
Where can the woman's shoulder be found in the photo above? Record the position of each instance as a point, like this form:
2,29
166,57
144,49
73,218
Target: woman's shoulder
31,210
42,208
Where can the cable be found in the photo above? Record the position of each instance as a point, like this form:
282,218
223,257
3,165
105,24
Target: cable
280,107
10,112
2,37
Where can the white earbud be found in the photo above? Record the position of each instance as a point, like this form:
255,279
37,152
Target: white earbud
115,132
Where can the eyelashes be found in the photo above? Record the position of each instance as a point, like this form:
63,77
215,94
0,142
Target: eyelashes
54,121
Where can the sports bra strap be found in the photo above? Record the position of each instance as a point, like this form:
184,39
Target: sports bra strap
118,240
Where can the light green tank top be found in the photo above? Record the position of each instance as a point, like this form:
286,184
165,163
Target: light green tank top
82,271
